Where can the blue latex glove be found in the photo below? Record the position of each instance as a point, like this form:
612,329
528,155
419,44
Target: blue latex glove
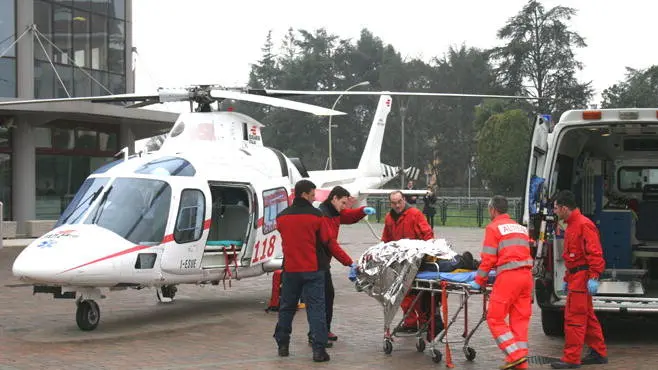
565,287
369,211
352,274
592,286
474,285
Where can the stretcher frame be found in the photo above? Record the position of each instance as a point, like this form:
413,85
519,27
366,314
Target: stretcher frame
444,288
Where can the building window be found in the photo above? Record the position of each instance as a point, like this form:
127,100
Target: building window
88,34
62,19
43,19
44,80
7,27
81,35
5,185
5,139
58,179
7,77
43,137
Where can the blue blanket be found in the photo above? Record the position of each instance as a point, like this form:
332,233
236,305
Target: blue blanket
453,277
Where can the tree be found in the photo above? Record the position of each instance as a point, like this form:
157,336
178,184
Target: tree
502,143
639,90
538,59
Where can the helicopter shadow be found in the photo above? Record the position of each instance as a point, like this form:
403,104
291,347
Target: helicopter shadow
184,314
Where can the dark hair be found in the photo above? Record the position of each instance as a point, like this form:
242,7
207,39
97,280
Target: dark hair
566,198
395,192
337,191
303,186
499,203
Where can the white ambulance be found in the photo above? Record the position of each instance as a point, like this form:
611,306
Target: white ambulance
609,159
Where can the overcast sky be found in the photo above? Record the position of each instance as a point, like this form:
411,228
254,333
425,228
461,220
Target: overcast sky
210,41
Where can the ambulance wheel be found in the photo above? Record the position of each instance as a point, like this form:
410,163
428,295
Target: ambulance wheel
420,345
552,322
436,355
470,353
88,315
388,346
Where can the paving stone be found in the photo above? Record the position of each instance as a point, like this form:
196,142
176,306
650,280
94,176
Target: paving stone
209,327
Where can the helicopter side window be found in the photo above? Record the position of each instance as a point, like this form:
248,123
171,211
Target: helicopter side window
171,166
189,224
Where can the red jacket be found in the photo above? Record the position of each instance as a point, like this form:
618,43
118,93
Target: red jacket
582,246
307,240
410,224
506,247
334,219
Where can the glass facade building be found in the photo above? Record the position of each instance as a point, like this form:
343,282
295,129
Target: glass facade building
76,42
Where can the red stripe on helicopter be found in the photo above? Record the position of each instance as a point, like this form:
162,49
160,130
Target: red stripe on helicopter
126,251
166,239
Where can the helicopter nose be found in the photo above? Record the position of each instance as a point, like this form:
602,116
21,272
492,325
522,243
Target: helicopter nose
31,266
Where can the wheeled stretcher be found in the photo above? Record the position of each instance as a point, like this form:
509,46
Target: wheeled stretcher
443,284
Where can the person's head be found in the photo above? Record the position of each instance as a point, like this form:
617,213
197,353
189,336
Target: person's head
338,198
410,184
397,201
497,206
305,189
563,203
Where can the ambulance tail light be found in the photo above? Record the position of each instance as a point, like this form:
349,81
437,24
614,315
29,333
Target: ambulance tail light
592,114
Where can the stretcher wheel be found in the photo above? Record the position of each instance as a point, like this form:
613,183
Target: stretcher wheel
388,346
420,345
470,353
436,356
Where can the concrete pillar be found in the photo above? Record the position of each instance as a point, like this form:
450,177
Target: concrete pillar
24,175
25,49
127,138
130,74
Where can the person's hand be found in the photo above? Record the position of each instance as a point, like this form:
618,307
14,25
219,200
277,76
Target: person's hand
369,210
353,270
592,286
565,287
474,285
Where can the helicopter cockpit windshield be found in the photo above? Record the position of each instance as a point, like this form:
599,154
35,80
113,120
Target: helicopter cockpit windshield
137,209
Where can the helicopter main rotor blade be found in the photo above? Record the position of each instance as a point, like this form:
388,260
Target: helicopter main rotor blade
276,102
93,99
403,93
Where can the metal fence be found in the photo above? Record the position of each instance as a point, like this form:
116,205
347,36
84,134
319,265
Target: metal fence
454,211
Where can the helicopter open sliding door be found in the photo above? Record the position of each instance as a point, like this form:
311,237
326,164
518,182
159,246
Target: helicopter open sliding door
267,244
232,218
189,221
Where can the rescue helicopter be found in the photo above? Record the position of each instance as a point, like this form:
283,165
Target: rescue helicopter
200,210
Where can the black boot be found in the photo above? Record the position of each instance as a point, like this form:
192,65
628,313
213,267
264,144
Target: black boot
320,356
593,358
283,350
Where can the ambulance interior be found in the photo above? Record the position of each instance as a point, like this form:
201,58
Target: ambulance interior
613,171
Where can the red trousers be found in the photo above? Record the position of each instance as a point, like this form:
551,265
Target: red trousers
511,296
580,323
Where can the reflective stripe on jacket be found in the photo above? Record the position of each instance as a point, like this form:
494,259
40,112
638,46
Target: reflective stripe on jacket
506,247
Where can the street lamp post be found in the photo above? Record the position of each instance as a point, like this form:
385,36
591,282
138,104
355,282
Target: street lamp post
403,111
330,159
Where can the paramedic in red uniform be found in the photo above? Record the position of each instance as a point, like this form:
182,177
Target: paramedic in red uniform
307,244
335,211
506,248
405,222
583,258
